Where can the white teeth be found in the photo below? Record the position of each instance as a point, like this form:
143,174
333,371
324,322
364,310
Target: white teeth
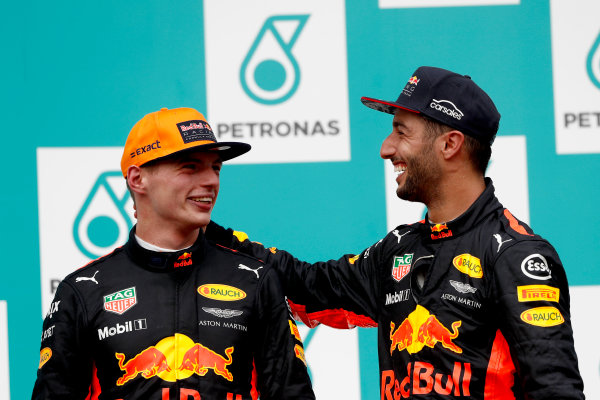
399,169
203,199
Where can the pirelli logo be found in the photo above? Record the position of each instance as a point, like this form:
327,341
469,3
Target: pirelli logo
537,293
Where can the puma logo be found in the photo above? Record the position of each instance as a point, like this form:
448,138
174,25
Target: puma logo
242,266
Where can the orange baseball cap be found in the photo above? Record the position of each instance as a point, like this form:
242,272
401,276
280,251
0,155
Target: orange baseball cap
165,132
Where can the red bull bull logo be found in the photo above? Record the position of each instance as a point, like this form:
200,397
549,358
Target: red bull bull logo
422,329
414,80
422,378
183,260
439,227
175,358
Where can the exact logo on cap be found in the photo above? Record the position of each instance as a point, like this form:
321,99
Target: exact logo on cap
195,130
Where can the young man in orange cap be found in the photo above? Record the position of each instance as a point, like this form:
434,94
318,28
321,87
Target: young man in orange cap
469,303
170,315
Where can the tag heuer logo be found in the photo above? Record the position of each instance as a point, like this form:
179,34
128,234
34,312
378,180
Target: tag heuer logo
120,301
401,266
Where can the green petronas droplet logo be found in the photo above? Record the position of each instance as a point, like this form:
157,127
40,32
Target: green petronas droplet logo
270,73
593,63
102,222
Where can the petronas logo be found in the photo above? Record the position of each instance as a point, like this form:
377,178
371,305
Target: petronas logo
102,222
270,73
593,63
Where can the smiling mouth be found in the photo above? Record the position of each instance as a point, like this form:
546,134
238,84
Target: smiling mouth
399,169
204,200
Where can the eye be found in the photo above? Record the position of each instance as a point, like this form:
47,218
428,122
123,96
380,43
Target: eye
217,167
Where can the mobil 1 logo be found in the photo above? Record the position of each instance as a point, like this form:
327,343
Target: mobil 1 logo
272,80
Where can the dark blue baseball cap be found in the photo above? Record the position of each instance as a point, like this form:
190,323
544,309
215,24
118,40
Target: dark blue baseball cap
447,97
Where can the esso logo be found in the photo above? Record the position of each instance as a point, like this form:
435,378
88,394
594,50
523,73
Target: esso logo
535,266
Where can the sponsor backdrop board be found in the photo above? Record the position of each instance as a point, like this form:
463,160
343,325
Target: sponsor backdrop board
4,380
576,33
286,77
282,84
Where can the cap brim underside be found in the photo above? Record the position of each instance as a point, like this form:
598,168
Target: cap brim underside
226,150
389,107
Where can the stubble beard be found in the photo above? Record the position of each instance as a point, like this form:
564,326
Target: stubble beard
423,175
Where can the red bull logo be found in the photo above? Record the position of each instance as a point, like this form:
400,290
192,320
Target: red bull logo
183,260
422,329
175,358
439,227
438,231
422,378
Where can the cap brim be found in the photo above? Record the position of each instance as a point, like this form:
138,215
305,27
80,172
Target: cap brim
389,107
226,150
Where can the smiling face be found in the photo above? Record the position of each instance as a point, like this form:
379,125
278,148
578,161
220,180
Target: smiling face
410,147
182,191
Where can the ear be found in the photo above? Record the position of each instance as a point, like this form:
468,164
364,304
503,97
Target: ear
452,143
134,179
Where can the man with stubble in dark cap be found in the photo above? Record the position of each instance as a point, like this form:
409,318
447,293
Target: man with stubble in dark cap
469,302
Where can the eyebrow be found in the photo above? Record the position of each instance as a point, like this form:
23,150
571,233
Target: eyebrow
399,124
190,157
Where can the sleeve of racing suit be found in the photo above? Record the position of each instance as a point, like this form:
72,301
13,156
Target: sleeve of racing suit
65,369
532,296
279,357
339,293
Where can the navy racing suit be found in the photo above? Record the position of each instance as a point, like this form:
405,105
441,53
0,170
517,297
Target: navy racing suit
204,322
475,308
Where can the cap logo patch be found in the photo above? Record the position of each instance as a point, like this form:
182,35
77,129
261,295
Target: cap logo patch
146,148
410,86
195,130
447,107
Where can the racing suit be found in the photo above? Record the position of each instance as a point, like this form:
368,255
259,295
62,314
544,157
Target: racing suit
200,323
476,308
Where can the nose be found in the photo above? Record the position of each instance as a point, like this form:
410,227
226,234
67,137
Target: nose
208,177
388,149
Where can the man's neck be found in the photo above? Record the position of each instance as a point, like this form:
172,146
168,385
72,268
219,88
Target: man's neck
165,237
453,198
